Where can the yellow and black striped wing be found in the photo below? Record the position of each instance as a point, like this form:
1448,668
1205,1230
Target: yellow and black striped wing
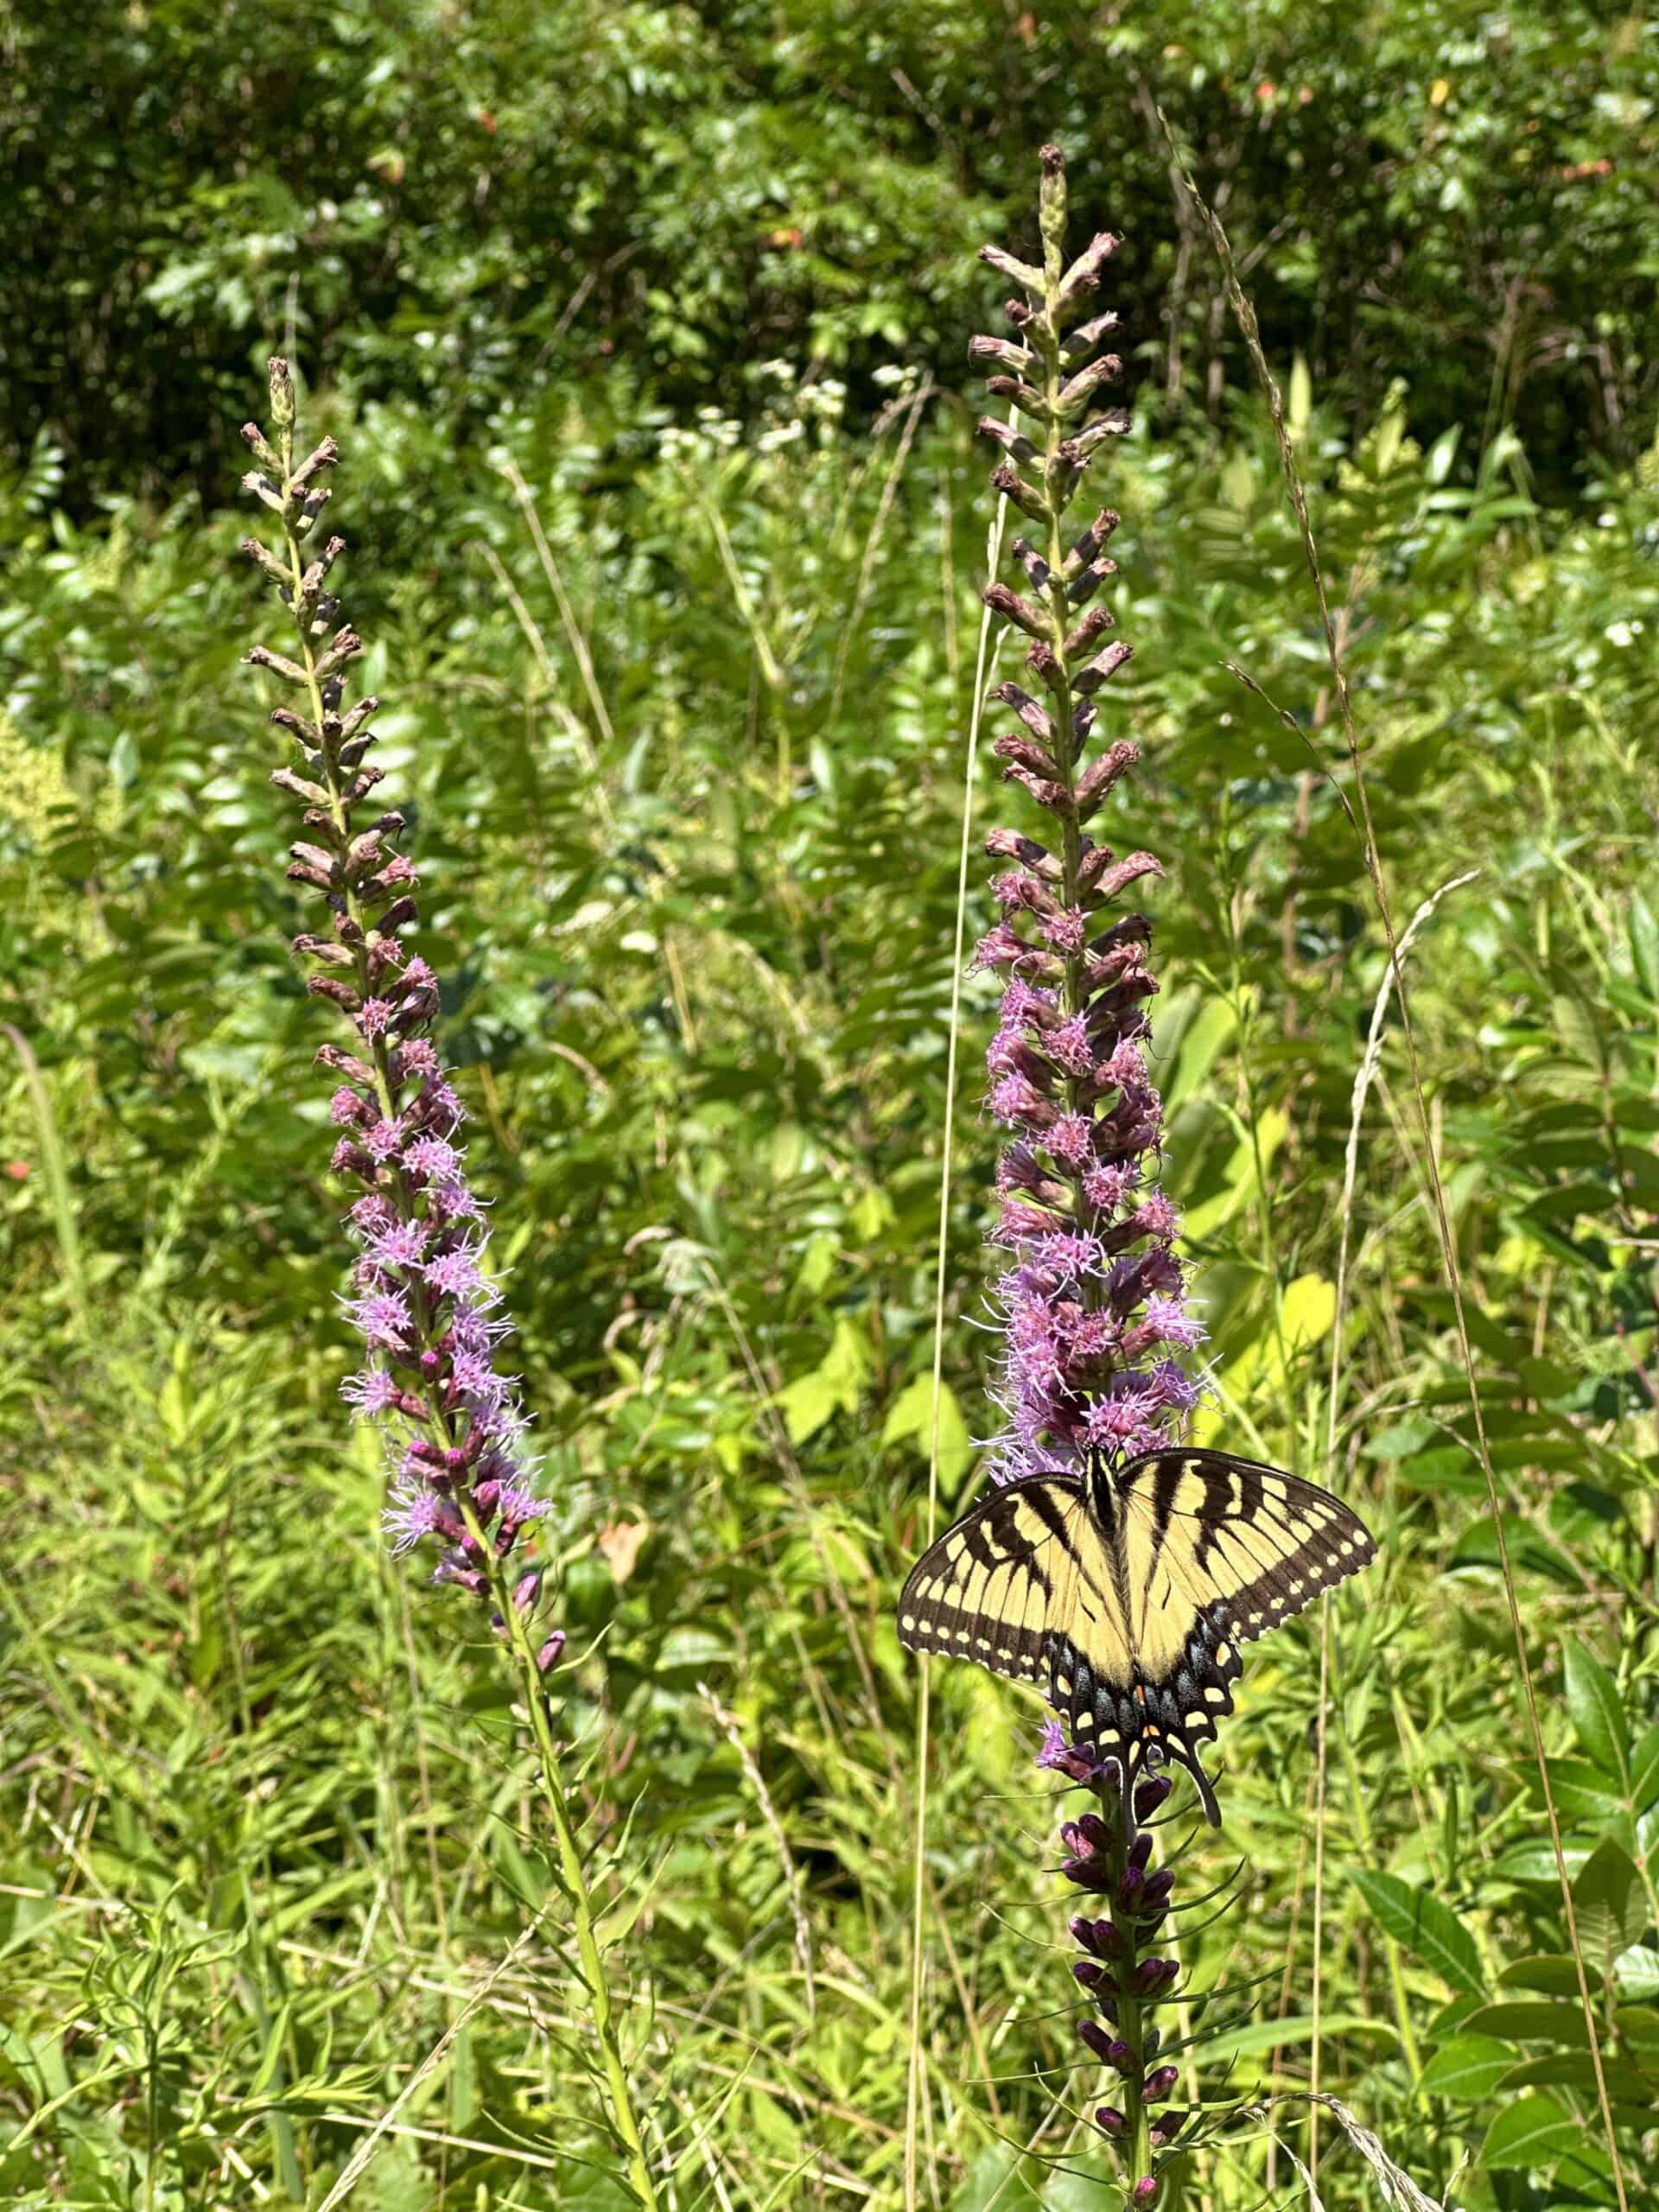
1215,1551
997,1585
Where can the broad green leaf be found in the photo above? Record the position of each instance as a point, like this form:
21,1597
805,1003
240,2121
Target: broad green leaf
1611,1907
1524,2022
1532,2133
1576,2069
1581,1791
1552,1972
1468,2066
1597,1714
834,1386
1240,1178
1428,1929
910,1419
1308,1311
1637,1973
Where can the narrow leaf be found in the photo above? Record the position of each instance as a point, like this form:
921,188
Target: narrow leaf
1428,1929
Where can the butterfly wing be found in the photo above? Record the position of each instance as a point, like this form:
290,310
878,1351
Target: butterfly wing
1217,1550
1023,1585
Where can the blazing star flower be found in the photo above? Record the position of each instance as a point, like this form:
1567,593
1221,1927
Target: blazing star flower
1094,1311
453,1420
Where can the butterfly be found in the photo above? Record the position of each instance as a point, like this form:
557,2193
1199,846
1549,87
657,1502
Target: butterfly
1125,1592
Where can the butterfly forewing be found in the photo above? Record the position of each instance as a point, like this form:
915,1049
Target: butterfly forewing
1204,1526
993,1588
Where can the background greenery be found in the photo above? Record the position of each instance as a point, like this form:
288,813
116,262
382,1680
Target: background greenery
687,796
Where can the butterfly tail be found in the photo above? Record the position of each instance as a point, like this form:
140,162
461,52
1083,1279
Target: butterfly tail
1175,1747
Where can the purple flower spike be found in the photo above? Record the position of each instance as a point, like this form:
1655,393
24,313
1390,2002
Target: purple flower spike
453,1420
1097,1364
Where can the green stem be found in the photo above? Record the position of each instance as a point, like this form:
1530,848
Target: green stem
570,1873
1391,1950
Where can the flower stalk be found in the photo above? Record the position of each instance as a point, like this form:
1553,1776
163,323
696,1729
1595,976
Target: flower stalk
1121,1971
1097,1324
425,1305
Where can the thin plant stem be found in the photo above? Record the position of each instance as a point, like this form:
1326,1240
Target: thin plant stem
919,1883
573,1880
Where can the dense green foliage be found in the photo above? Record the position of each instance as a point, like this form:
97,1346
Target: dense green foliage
271,1868
462,203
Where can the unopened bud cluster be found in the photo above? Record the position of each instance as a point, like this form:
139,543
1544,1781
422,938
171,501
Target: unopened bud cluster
1108,1854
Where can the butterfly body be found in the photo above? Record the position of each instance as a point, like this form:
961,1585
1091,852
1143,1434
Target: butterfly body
1125,1593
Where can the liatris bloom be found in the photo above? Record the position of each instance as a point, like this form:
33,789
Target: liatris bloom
1098,1323
426,1311
1094,1302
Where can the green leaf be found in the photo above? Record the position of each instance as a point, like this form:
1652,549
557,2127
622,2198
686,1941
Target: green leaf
910,1419
1523,2022
1597,1714
1637,1971
834,1386
1426,1928
1532,2133
997,2178
1576,2069
1645,944
1534,1860
1644,1771
1611,1909
1554,1971
1468,2066
1581,1791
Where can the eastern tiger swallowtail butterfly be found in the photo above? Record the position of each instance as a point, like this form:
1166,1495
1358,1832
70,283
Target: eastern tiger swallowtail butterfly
1125,1594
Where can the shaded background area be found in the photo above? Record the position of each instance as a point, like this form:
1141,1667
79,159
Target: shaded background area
642,332
488,200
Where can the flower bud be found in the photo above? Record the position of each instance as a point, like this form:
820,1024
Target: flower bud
1098,1937
1151,1794
1140,1852
1109,2120
1156,1894
1145,2190
1159,2083
1051,197
282,393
